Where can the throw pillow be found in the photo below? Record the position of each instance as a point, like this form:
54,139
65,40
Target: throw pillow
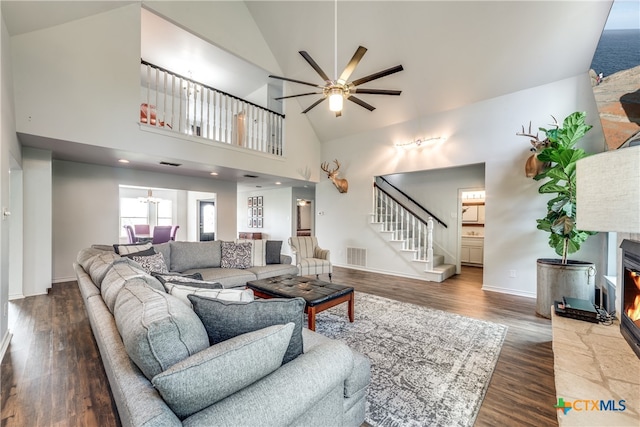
157,329
182,291
150,263
223,369
273,251
170,276
236,255
226,319
130,248
258,252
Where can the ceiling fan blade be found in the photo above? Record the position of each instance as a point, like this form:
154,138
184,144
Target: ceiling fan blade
296,81
314,104
377,91
351,66
300,94
361,103
377,75
314,65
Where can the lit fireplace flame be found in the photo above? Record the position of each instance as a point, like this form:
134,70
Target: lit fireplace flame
634,309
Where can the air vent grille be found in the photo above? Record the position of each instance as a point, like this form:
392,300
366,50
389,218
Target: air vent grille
357,256
171,164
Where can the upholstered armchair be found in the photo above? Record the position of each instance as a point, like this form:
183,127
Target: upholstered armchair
309,257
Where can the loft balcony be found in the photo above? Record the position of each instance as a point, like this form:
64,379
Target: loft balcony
181,105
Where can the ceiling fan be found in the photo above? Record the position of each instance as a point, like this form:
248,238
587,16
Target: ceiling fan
342,88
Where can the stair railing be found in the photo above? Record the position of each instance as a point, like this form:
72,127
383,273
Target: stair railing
416,233
180,104
412,200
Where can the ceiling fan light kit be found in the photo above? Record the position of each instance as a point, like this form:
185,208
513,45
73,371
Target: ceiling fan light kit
335,99
340,89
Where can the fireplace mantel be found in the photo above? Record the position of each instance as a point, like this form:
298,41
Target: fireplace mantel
594,362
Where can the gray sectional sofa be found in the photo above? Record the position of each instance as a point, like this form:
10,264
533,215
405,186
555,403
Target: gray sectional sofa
164,370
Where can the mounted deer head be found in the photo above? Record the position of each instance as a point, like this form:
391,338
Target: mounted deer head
533,166
341,184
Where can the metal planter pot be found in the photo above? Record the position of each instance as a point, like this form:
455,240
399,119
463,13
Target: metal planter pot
555,280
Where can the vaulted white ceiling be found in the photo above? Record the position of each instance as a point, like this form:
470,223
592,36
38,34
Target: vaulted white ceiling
454,53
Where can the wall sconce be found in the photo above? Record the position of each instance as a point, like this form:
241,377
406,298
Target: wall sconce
420,142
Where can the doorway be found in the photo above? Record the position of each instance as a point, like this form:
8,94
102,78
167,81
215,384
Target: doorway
304,216
472,220
206,220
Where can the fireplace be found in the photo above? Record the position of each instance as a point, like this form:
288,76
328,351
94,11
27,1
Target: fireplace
630,313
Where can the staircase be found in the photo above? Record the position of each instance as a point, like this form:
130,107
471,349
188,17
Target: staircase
409,235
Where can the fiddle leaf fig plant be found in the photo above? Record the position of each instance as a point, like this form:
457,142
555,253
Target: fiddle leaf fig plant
560,176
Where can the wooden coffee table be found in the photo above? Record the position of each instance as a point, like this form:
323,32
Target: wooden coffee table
319,295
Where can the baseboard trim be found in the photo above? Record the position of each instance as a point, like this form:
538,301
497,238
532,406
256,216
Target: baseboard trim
390,273
509,291
5,344
64,279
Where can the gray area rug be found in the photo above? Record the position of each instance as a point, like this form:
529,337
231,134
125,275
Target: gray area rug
428,367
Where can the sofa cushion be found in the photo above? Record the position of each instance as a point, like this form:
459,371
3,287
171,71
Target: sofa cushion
223,369
99,265
181,291
226,319
122,270
272,270
157,329
273,251
86,254
227,277
193,255
236,255
150,263
129,248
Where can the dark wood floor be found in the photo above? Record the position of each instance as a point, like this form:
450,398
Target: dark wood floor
52,375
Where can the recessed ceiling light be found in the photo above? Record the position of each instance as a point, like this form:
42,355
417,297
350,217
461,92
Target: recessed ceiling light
278,183
123,161
214,173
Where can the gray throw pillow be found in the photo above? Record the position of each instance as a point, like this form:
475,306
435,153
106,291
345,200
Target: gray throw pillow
227,319
129,248
273,251
157,329
223,369
177,277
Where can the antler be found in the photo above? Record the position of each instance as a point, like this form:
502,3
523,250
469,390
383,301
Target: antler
325,167
530,135
337,164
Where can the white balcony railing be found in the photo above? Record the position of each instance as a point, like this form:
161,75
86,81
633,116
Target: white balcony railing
179,104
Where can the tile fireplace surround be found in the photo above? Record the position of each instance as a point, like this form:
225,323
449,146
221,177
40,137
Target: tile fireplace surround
594,362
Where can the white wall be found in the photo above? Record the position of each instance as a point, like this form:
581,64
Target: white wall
36,166
86,200
478,133
80,82
277,208
9,149
16,242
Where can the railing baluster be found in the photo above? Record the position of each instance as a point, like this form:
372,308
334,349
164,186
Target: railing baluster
227,119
